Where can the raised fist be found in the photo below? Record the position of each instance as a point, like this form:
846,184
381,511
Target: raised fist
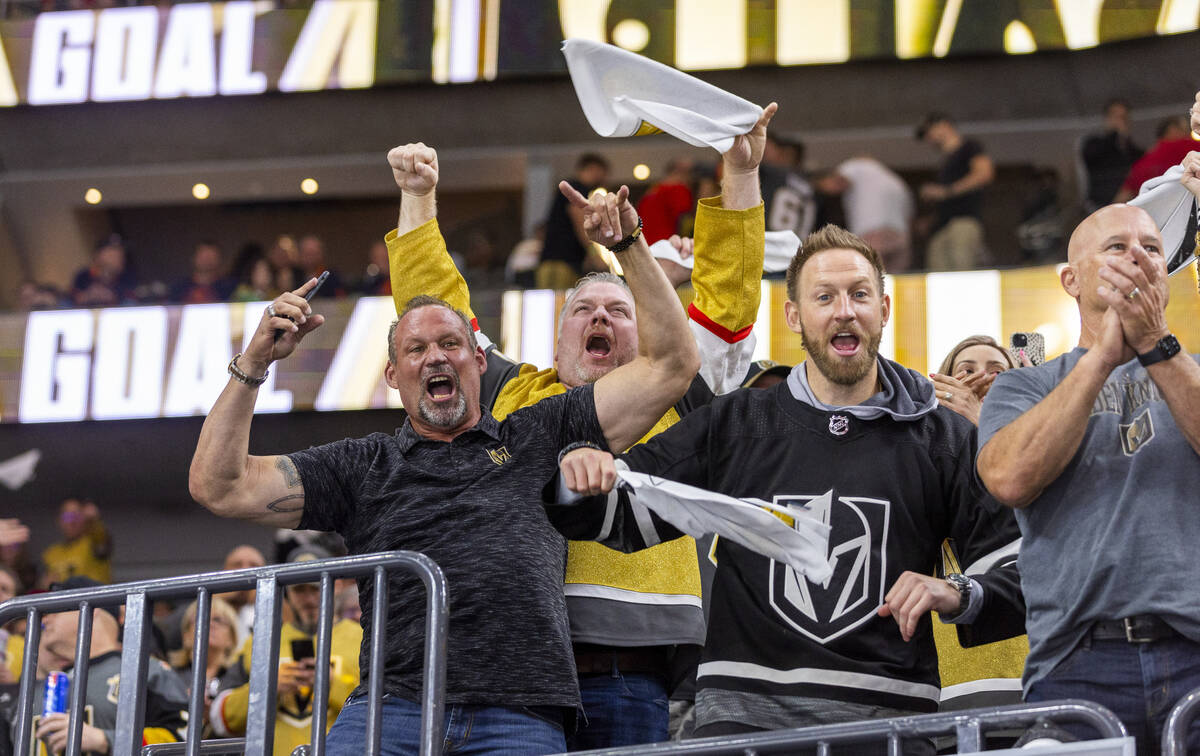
415,168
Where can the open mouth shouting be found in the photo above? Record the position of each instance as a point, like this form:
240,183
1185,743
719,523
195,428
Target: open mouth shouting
441,387
598,345
845,343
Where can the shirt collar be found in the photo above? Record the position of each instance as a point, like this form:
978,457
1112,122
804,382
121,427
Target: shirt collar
407,437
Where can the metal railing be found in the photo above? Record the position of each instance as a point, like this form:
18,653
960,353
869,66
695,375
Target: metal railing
968,726
138,600
1179,721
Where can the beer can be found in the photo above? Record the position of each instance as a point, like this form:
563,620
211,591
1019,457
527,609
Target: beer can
58,693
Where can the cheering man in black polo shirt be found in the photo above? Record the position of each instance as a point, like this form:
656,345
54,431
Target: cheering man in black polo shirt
462,488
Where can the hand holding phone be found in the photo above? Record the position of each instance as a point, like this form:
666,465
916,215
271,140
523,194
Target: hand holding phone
307,298
1030,342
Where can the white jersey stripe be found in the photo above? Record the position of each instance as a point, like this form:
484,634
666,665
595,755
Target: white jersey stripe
585,590
989,685
1001,555
819,677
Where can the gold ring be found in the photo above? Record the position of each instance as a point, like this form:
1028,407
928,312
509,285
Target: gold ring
1132,294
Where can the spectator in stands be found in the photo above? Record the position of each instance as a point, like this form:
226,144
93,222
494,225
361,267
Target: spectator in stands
86,547
241,558
165,717
625,649
38,296
964,377
957,242
312,264
254,276
662,207
206,283
1097,452
521,267
989,675
880,462
222,647
567,249
284,259
489,532
293,724
108,280
1174,143
12,645
376,280
878,207
14,537
1108,155
789,202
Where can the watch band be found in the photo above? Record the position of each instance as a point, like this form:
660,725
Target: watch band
963,584
1166,348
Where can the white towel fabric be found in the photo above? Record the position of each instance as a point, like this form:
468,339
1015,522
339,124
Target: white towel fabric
781,247
625,94
803,546
1173,209
18,471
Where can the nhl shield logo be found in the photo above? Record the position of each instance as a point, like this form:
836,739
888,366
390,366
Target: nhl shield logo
858,555
839,424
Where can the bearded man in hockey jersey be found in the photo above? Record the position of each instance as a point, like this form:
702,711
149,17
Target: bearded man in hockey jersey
859,442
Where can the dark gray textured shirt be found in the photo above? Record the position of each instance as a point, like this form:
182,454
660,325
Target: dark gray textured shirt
473,505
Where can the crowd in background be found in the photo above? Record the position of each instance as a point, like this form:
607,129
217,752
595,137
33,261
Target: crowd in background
935,225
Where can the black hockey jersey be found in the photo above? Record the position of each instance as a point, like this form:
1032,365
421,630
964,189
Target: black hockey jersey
890,489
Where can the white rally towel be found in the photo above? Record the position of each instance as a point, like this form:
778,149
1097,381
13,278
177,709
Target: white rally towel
1173,209
18,471
780,247
625,94
804,546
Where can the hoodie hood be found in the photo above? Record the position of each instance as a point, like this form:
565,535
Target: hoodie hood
904,394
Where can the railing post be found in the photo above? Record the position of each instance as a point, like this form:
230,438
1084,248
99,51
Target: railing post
320,704
83,652
131,697
264,666
196,713
25,701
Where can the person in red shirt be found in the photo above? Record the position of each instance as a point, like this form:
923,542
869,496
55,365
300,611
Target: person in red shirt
667,201
1174,143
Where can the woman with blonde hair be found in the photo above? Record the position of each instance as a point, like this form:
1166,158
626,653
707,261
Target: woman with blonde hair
222,646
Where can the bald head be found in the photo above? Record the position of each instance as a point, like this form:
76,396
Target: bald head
1109,234
1098,226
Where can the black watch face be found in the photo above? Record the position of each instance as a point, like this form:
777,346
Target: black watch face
1169,345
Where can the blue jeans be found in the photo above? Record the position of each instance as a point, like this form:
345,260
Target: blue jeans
621,709
1139,682
468,729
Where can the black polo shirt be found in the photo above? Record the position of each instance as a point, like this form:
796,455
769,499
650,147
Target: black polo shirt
472,505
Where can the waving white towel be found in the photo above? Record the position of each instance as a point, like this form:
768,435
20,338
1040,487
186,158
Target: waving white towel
625,94
19,470
1173,209
780,248
804,545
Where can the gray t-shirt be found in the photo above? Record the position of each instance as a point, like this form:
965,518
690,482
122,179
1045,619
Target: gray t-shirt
473,505
1115,534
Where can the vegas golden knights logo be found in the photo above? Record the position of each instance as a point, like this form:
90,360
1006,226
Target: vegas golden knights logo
1136,434
499,456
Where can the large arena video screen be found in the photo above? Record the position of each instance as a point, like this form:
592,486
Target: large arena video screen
245,47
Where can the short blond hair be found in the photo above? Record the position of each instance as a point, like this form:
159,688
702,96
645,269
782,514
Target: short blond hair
222,611
828,237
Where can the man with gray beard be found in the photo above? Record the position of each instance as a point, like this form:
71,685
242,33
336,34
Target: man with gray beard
461,487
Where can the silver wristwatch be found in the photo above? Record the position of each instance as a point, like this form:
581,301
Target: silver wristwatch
963,584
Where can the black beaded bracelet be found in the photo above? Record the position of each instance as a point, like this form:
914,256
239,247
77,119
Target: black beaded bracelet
577,445
628,241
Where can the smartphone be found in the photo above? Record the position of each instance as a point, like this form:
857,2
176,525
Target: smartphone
303,649
307,298
1032,342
